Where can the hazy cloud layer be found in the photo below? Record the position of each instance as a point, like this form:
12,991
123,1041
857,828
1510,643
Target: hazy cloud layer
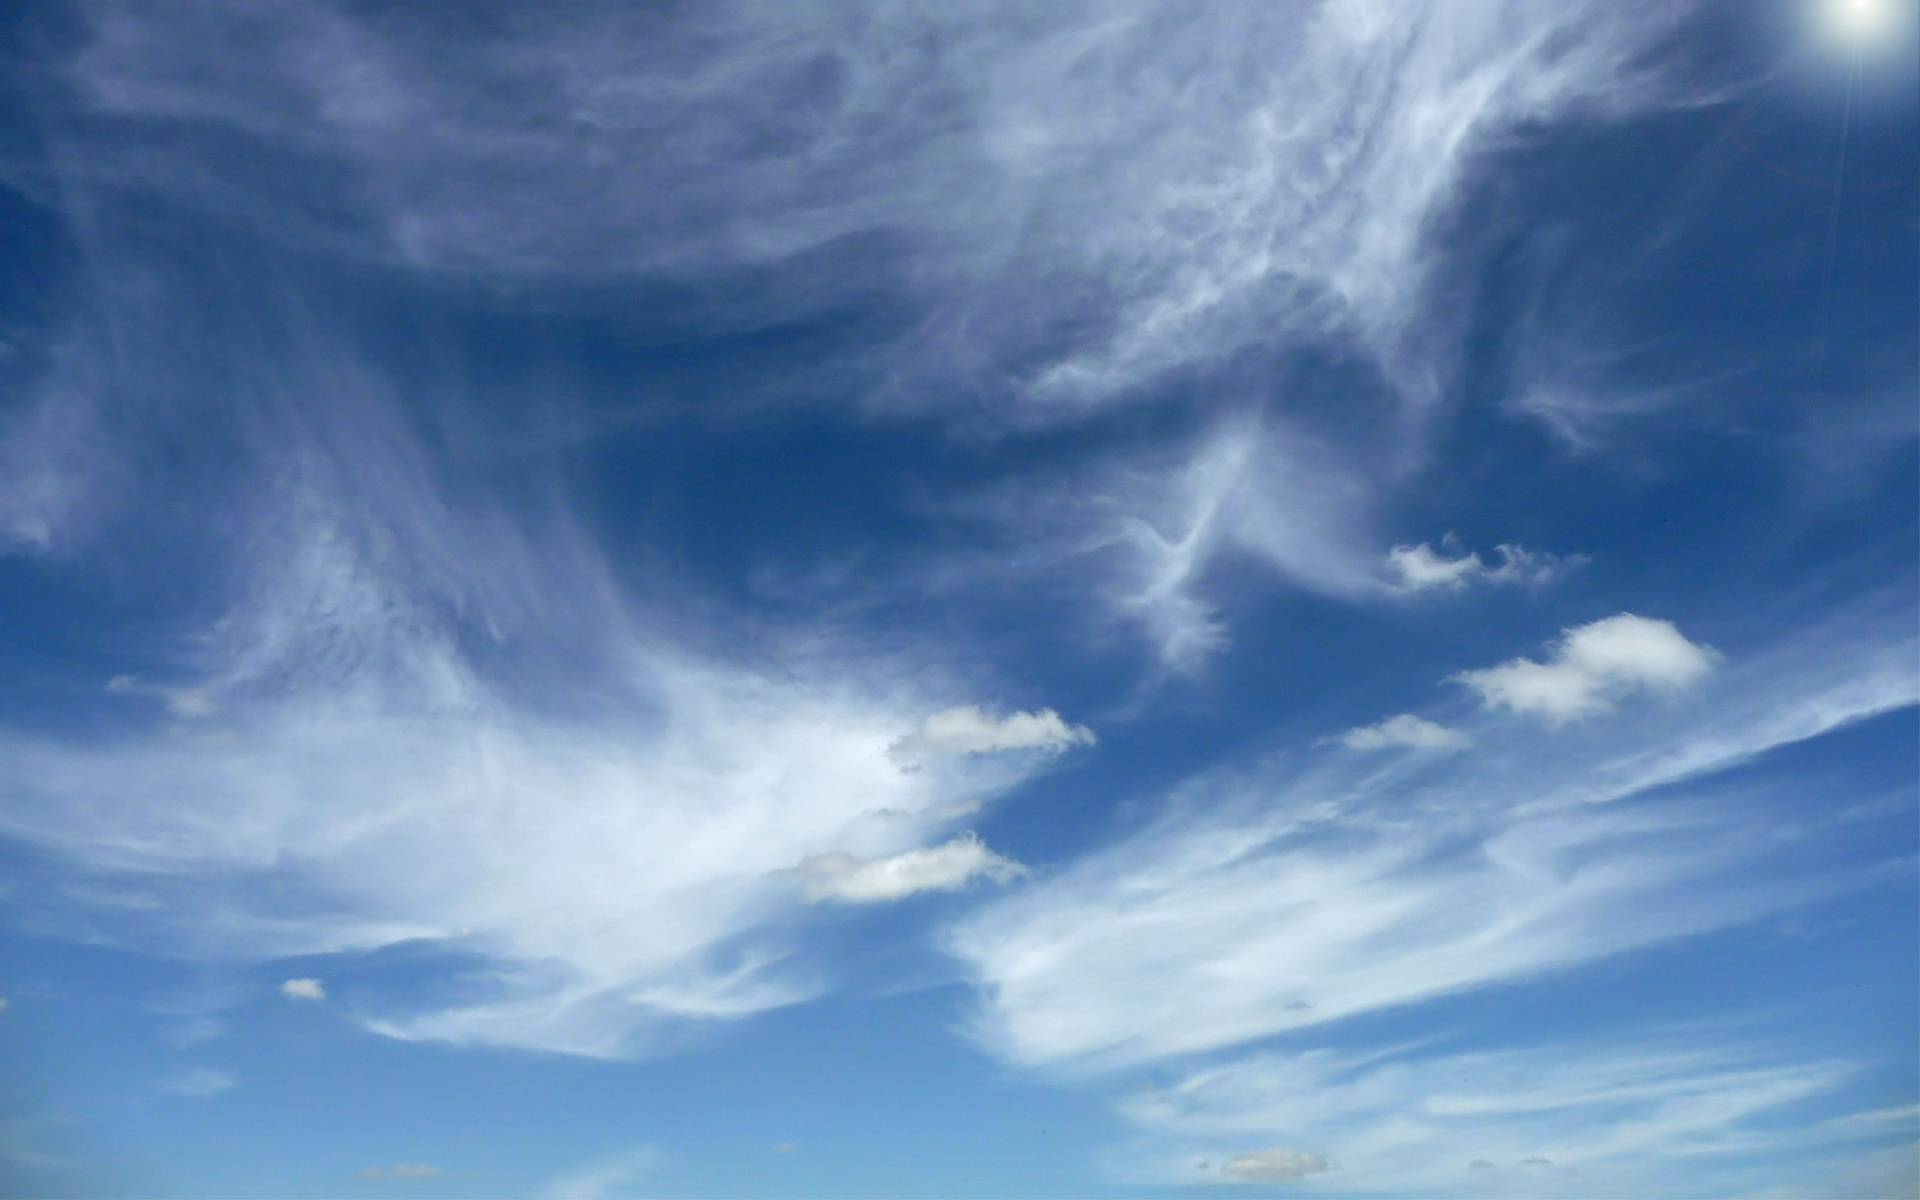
614,1173
1273,1164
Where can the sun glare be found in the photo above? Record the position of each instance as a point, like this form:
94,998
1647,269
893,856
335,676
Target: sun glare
1859,24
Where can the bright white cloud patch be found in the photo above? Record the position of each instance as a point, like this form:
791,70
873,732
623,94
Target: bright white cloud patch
943,868
1404,730
1273,1164
1291,897
1420,569
1592,666
954,732
303,989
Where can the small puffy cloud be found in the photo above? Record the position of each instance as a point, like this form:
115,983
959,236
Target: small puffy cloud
201,1081
1592,666
1404,730
942,868
1480,1164
1273,1163
1536,1161
1421,569
970,730
303,989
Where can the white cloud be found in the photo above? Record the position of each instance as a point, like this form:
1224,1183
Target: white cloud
1404,730
1273,1163
1592,666
364,785
1202,173
1420,569
944,868
953,732
1607,1117
303,989
606,1175
199,1082
1294,896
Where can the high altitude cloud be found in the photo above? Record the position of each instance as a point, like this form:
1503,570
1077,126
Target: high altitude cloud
1404,730
1069,208
1592,666
969,729
944,868
1270,901
1273,1164
1405,1119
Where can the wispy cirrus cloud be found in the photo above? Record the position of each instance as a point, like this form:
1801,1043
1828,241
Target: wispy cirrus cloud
1622,1117
1285,898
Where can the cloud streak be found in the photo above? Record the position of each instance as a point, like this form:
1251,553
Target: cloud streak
1275,900
944,868
1621,1117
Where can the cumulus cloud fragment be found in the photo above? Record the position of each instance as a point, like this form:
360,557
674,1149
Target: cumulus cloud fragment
303,989
1420,569
1273,1163
1592,666
944,868
1405,730
969,729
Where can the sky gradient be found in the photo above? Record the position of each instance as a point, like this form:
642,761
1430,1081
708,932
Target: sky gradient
979,599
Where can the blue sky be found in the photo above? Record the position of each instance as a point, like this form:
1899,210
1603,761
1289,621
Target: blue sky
959,599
